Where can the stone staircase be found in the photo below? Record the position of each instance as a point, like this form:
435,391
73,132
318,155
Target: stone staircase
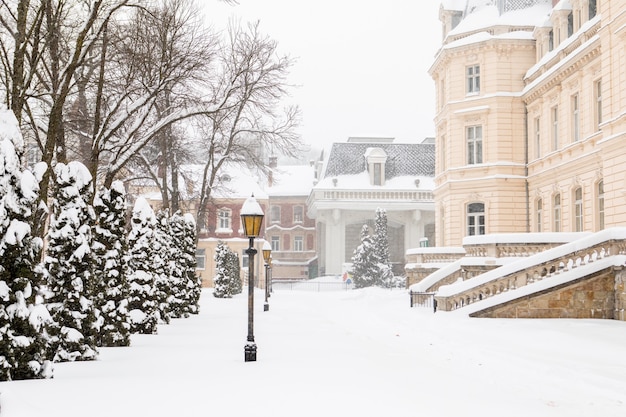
581,278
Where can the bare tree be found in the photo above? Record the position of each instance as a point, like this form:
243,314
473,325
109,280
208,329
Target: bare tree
250,119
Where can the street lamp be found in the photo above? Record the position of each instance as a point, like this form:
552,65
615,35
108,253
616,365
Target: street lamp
251,219
267,253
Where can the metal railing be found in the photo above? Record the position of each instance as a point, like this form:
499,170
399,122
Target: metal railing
423,299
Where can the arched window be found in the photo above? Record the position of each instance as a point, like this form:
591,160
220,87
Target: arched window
475,219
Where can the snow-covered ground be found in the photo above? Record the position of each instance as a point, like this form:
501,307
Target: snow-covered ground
342,353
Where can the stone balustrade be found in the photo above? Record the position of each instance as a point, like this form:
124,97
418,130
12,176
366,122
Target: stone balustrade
509,277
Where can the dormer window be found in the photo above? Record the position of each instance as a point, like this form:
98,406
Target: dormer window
376,159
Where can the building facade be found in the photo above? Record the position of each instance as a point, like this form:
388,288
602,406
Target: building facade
355,179
531,117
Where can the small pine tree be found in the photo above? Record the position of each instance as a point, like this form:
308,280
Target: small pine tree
162,250
234,268
111,265
69,264
222,278
380,241
364,263
193,280
23,341
178,265
143,303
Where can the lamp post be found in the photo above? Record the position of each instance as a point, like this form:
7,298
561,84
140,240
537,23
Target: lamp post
267,251
251,218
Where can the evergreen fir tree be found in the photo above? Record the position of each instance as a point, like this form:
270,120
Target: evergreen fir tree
111,266
161,265
178,264
221,281
69,264
234,269
142,301
193,280
365,271
23,319
380,241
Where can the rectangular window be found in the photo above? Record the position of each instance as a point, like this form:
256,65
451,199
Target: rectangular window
298,244
474,136
538,137
598,99
378,174
570,24
555,128
200,259
601,205
578,210
575,118
593,9
443,153
224,219
557,213
473,79
550,41
298,214
275,214
539,214
275,242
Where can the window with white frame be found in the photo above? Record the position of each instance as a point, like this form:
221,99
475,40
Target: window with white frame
275,242
275,214
475,219
556,207
597,89
601,205
298,243
578,209
575,118
298,214
442,154
224,217
472,74
539,213
200,259
474,136
555,128
538,137
593,9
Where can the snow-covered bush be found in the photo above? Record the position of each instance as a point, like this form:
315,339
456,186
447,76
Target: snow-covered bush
111,265
69,265
23,317
142,300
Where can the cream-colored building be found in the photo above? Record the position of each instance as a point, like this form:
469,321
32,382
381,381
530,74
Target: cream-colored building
531,117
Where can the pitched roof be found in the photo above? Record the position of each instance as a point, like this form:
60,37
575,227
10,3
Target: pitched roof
402,159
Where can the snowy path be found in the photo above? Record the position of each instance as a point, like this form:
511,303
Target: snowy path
357,353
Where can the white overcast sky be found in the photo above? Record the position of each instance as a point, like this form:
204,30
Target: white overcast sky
361,64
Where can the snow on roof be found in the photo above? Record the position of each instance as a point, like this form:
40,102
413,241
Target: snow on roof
484,16
292,180
362,181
